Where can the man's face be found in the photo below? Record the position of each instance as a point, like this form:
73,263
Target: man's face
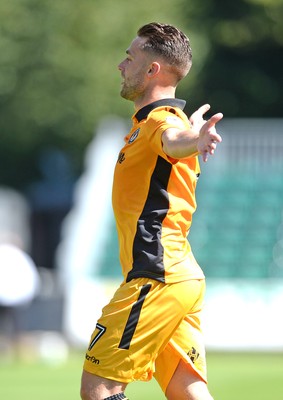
133,70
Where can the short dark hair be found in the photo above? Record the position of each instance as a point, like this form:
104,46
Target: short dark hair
170,43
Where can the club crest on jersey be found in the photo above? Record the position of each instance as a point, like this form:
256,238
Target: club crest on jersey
193,354
134,135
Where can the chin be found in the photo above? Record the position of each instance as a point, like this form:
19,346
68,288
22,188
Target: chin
125,95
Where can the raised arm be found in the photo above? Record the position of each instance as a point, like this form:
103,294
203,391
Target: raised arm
201,138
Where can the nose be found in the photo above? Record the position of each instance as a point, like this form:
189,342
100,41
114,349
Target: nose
121,66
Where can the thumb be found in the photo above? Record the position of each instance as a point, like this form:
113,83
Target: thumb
199,113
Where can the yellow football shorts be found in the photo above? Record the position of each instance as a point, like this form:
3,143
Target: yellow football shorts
146,329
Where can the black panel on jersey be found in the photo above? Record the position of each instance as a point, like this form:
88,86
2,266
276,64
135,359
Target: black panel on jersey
147,248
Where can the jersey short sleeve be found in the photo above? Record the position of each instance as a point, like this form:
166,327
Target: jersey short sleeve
161,119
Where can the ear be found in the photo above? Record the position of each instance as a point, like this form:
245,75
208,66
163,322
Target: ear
153,69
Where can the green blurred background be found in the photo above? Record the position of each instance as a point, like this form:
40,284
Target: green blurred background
58,68
233,376
59,96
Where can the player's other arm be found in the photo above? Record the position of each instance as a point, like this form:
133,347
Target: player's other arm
201,138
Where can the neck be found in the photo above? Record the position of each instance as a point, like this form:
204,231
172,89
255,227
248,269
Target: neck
155,95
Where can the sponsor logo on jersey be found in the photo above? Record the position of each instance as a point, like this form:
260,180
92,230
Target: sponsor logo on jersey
134,135
92,359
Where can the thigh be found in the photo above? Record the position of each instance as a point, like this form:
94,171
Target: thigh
186,345
185,384
95,387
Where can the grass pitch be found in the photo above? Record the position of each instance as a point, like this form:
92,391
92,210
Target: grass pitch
232,376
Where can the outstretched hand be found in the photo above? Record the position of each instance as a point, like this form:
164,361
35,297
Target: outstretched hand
208,137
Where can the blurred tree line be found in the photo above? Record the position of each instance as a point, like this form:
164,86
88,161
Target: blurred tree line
58,68
241,60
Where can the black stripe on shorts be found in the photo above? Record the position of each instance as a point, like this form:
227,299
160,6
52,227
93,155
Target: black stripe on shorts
133,319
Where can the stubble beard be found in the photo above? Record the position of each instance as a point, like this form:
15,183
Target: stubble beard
133,91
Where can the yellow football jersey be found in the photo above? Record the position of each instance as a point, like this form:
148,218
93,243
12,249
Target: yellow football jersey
154,199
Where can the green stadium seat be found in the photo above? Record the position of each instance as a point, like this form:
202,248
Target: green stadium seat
240,216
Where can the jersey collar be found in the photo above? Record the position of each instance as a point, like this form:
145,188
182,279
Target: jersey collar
143,112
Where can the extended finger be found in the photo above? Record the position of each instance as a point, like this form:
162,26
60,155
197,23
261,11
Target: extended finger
213,120
215,137
205,156
213,144
203,109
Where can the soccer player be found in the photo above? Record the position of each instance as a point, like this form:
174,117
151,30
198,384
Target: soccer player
151,327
